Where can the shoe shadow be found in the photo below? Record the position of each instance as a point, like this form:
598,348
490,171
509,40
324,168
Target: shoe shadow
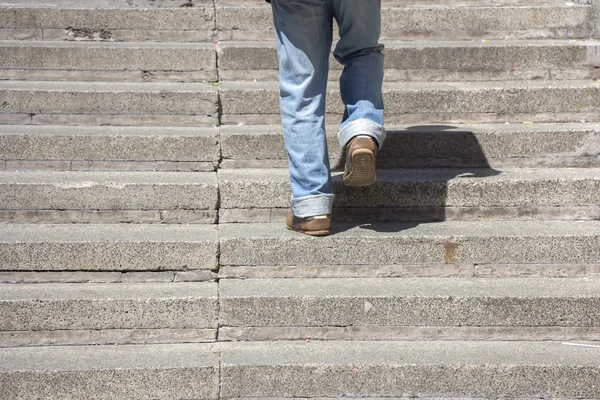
415,169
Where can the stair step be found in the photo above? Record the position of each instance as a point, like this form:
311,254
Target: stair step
476,145
54,21
105,147
76,309
445,22
170,371
76,194
405,60
299,369
439,60
514,302
107,247
428,194
408,369
253,307
448,242
47,60
113,103
420,102
261,146
251,21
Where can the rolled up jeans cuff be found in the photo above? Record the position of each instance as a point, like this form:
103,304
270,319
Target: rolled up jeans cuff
309,206
362,126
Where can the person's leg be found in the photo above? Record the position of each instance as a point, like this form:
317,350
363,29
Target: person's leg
304,36
361,54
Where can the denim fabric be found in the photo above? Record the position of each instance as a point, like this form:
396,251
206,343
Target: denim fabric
304,34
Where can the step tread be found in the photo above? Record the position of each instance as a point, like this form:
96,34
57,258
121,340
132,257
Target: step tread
154,87
406,353
524,288
433,43
408,86
456,175
117,179
107,291
440,230
102,358
99,233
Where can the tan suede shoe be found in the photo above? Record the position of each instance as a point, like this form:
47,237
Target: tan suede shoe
309,226
361,155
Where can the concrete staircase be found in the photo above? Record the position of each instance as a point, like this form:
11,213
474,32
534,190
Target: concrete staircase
143,187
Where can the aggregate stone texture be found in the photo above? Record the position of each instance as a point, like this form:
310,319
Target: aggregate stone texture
114,56
438,55
557,21
126,143
107,247
173,371
435,98
116,98
450,242
436,144
108,306
409,369
90,17
101,190
248,188
409,302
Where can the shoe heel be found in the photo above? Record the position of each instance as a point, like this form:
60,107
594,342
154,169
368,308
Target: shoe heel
363,169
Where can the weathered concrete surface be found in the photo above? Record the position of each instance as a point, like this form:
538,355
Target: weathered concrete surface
435,98
512,21
501,242
265,188
471,56
408,369
481,145
595,18
72,337
82,306
414,270
408,302
420,333
79,190
173,371
18,142
93,18
107,247
39,55
117,98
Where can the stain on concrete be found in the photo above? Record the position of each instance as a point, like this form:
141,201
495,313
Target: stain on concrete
451,255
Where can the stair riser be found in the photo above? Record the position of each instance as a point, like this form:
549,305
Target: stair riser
404,63
414,380
536,147
197,24
134,383
69,148
108,248
537,104
106,314
452,23
398,250
104,196
103,102
101,64
249,192
436,64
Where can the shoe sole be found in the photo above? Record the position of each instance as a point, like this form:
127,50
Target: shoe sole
311,233
363,169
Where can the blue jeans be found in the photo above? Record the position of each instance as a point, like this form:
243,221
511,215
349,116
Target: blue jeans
304,31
